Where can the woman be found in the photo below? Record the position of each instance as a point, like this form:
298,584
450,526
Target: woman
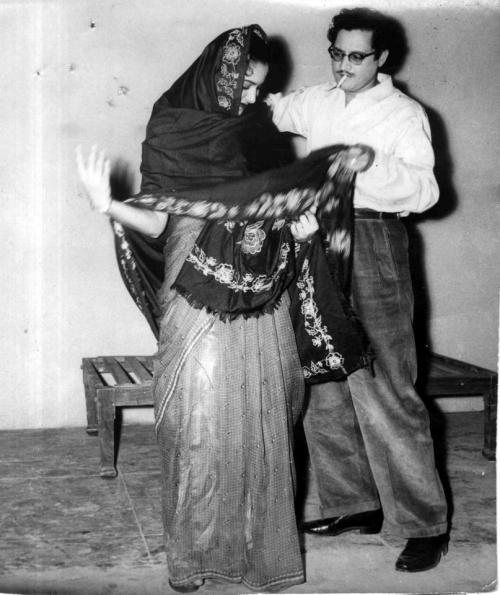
228,383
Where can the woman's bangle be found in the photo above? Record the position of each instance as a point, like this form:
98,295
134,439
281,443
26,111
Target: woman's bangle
108,206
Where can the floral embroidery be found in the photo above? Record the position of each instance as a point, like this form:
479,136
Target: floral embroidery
334,361
232,54
253,238
238,35
314,327
226,274
227,80
224,102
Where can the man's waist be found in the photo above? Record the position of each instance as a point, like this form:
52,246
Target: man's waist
372,214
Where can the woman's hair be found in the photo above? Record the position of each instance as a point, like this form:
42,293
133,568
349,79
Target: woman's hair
258,49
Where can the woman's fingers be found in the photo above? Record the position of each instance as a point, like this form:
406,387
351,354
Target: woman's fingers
96,167
107,168
92,157
305,227
80,164
94,174
99,162
307,220
84,168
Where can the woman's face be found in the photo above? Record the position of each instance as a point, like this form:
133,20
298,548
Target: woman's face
254,77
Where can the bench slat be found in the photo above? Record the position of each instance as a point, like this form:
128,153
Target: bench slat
147,362
120,375
90,374
441,364
135,369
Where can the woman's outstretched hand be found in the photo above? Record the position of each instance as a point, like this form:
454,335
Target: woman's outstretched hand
94,176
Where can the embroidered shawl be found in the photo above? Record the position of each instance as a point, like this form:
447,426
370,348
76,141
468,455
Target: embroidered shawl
201,159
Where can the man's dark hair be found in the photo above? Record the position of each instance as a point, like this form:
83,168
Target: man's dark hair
387,33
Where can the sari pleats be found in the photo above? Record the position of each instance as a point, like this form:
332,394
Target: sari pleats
225,437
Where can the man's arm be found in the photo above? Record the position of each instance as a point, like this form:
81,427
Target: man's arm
290,111
402,181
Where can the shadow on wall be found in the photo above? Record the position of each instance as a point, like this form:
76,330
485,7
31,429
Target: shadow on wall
443,170
398,53
280,67
121,180
447,203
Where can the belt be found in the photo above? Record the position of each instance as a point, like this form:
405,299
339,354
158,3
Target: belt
371,214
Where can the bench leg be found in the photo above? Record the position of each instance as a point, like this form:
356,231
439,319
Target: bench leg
90,403
490,424
106,416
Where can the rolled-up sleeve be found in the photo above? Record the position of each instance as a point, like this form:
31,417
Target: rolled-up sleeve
290,112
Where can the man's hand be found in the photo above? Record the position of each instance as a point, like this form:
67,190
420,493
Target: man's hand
359,157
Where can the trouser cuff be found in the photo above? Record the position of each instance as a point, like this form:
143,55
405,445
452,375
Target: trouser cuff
351,508
409,532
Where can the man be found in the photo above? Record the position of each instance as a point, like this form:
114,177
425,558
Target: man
369,437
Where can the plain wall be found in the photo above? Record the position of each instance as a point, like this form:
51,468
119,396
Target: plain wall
88,71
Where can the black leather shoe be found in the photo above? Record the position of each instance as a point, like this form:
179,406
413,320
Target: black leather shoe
422,553
189,588
365,522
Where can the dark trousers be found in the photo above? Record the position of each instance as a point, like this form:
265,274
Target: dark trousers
369,437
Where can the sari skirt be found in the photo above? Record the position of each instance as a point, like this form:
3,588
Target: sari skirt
227,395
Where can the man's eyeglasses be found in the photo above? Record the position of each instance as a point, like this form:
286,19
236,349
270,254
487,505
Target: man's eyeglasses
354,57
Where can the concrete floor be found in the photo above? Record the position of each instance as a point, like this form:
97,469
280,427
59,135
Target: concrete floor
67,531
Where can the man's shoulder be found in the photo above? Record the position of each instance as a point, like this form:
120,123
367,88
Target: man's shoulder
405,103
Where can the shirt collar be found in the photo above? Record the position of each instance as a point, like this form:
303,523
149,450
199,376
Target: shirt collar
382,90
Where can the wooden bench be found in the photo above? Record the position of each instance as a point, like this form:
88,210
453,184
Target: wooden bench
125,381
111,382
441,376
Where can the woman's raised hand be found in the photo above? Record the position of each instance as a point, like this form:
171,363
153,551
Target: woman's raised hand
94,176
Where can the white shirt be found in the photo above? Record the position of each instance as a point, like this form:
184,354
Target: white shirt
401,178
